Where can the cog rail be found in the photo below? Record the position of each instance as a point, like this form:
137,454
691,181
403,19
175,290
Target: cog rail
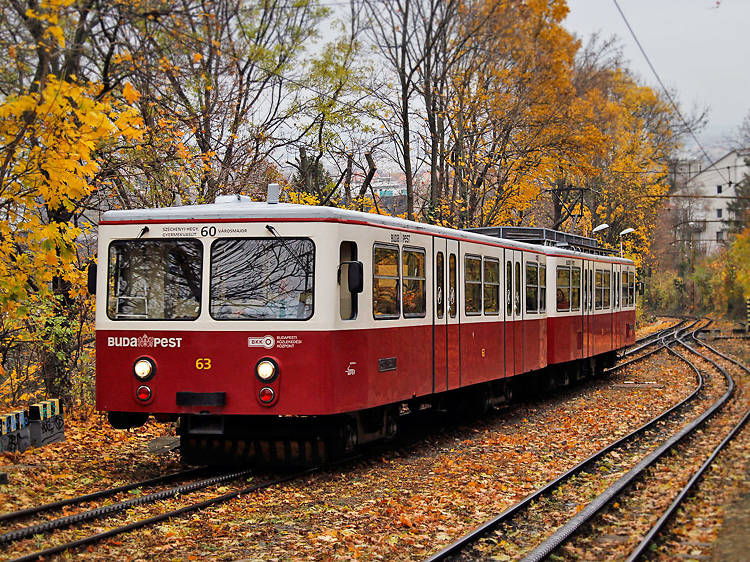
108,510
28,512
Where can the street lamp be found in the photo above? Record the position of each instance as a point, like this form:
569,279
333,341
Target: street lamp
599,228
623,233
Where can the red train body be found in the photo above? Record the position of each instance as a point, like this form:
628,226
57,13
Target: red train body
352,315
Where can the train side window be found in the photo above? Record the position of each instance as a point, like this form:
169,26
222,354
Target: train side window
616,288
599,289
347,299
413,286
625,286
575,289
508,288
385,282
606,289
473,285
491,286
532,287
452,297
586,296
631,287
542,288
440,285
518,289
585,291
563,288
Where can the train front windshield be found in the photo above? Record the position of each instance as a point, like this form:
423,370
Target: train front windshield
154,279
262,278
251,279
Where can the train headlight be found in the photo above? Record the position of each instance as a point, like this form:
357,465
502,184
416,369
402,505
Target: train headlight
267,370
144,368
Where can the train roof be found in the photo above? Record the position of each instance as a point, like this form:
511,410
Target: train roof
240,207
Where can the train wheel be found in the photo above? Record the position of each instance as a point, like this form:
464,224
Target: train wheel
564,378
391,423
345,439
508,392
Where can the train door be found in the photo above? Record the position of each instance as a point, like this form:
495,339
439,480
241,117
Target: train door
610,305
440,316
453,359
514,340
508,312
616,307
588,308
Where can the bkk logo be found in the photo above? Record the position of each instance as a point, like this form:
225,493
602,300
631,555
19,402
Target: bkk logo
143,341
266,341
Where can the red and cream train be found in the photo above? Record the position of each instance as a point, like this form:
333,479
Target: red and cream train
276,332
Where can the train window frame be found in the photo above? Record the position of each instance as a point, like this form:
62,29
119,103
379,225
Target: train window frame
489,261
139,318
531,292
542,288
517,292
421,310
509,288
575,289
599,289
452,285
440,285
607,291
585,292
631,287
562,290
476,285
397,278
211,294
617,281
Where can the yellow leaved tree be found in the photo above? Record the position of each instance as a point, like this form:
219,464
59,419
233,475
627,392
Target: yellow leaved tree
52,132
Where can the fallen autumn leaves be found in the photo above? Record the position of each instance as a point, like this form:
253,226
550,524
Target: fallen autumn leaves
406,504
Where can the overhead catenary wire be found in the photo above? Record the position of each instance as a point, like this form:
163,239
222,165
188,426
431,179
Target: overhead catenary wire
663,87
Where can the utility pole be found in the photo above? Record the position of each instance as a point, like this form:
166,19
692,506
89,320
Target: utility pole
566,207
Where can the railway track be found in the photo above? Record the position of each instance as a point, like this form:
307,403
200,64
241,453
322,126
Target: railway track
653,343
575,501
14,537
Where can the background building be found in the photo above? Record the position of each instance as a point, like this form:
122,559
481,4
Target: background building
701,208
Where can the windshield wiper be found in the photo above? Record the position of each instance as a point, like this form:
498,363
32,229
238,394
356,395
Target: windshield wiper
273,231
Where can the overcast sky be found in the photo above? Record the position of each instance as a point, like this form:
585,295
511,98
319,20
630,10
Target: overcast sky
700,48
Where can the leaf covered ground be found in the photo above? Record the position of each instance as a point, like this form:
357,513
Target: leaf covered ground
404,504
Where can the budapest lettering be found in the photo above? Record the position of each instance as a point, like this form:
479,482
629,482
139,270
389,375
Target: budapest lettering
143,341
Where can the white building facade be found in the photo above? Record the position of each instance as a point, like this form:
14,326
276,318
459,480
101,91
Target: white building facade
702,206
